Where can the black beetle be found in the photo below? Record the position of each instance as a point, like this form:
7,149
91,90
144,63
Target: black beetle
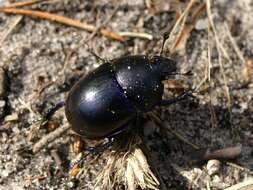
102,103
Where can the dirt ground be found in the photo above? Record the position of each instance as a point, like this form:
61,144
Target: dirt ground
41,60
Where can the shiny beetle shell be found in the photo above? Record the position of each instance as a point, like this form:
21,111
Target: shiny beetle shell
108,98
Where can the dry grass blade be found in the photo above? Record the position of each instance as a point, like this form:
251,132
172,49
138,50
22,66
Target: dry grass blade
220,49
10,28
178,27
101,26
246,185
128,166
138,166
49,138
63,20
136,35
183,35
234,45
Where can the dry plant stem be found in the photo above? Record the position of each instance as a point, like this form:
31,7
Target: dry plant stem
245,185
37,177
182,16
214,119
187,28
219,47
207,76
234,45
136,35
127,165
179,21
236,166
28,106
11,27
208,67
49,138
24,3
63,20
209,53
208,185
225,154
102,25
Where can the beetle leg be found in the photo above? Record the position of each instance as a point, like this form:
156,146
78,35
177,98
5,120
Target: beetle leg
182,96
93,150
100,147
52,111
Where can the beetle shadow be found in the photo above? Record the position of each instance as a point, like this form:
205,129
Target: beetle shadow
205,126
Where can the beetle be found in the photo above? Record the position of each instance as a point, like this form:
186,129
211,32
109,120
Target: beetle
103,103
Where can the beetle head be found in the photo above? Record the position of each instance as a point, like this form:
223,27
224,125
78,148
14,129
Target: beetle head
163,66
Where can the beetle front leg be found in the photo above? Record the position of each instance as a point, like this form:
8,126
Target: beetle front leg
52,111
181,97
100,147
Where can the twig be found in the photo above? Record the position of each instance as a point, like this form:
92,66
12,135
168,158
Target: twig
24,3
57,160
245,185
136,35
181,21
228,153
234,45
27,106
119,36
11,27
37,177
236,166
63,20
49,138
187,28
219,47
209,54
207,76
102,25
181,17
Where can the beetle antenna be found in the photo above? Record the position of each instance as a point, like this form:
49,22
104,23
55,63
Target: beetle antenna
165,37
188,73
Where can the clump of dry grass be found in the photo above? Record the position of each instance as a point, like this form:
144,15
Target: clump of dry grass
127,165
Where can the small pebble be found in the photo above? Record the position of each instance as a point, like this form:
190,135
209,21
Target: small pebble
213,167
5,173
71,184
2,108
12,117
201,24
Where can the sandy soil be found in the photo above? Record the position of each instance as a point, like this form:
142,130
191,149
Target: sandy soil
34,54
